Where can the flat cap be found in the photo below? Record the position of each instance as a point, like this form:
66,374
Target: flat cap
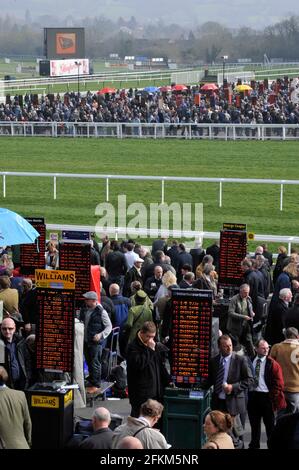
91,295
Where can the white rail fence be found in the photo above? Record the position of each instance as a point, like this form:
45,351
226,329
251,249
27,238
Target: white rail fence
137,130
154,233
162,179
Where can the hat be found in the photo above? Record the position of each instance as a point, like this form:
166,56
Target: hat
91,295
141,294
139,260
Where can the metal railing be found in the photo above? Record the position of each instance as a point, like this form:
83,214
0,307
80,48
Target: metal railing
138,130
163,179
153,233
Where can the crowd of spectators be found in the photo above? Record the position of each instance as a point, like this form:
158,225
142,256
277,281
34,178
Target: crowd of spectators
266,103
136,289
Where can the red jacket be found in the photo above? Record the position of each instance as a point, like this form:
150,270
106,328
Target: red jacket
275,383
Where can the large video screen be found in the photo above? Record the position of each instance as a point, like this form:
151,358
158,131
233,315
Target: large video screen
64,43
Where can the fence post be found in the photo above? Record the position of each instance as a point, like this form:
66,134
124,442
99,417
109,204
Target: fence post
162,191
281,197
107,189
4,185
220,194
55,194
283,133
155,131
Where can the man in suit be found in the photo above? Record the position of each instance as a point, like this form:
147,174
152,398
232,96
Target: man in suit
292,316
102,435
14,356
240,318
266,396
236,377
276,317
231,377
15,422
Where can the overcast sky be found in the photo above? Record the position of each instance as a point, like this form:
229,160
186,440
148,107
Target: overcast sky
234,13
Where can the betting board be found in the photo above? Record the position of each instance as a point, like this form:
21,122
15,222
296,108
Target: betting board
233,249
55,329
32,255
190,337
76,257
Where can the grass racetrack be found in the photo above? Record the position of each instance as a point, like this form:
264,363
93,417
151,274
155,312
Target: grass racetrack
256,205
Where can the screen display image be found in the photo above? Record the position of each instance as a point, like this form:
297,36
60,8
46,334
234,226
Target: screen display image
76,257
190,336
55,330
32,255
64,43
233,249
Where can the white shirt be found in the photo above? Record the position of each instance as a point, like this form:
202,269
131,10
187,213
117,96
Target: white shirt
262,387
226,363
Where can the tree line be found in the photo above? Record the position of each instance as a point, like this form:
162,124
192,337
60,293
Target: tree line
206,42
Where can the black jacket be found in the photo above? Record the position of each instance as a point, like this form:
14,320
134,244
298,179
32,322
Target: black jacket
147,375
24,360
116,264
275,323
284,435
197,257
151,286
291,317
29,306
214,250
131,276
101,439
251,278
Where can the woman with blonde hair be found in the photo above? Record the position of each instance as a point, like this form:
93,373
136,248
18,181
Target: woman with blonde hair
281,258
216,426
168,279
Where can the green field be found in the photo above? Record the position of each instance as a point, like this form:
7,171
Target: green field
256,205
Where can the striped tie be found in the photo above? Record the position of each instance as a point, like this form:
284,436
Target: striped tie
257,372
219,377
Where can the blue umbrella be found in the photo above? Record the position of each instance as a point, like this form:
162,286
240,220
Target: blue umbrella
151,89
14,229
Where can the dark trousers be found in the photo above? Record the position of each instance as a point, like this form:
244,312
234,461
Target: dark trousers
259,407
93,355
220,405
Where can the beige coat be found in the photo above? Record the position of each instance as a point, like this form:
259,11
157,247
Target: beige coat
286,354
220,440
10,299
149,437
15,422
